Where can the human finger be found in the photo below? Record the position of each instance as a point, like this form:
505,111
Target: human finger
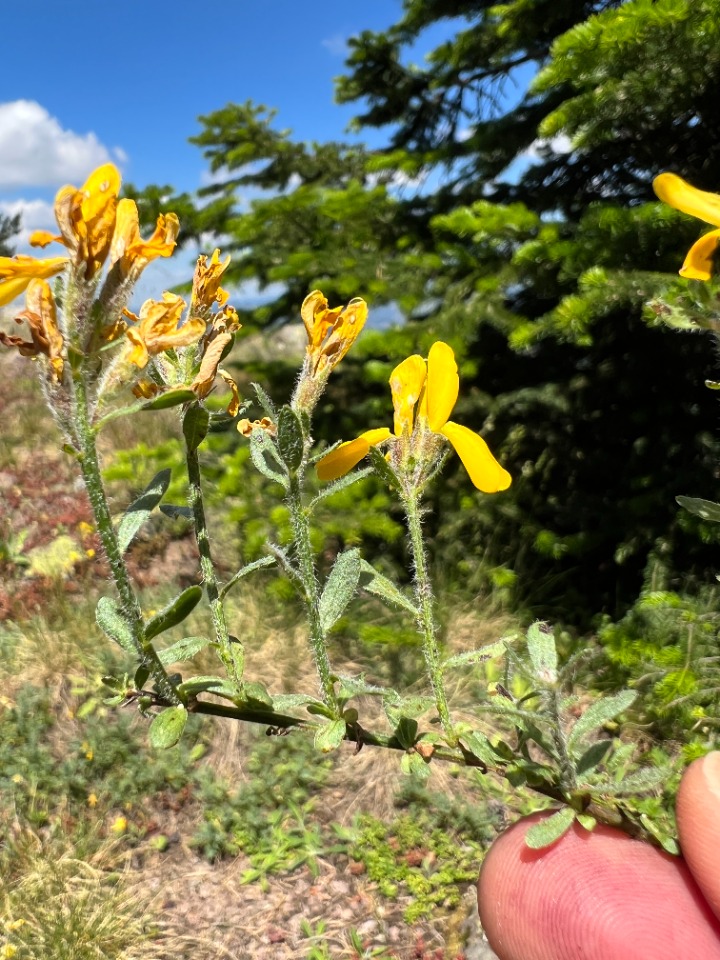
596,895
698,818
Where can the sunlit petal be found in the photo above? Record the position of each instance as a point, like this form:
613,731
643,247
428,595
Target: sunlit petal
17,272
442,387
339,461
701,260
406,383
676,192
484,470
203,382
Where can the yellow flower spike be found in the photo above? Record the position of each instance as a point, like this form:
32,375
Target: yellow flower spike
341,460
128,248
700,263
406,385
157,328
17,272
206,289
330,333
41,316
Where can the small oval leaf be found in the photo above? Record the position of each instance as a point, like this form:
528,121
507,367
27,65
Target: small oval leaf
140,509
174,613
340,588
290,438
172,398
195,426
167,727
330,736
550,829
112,622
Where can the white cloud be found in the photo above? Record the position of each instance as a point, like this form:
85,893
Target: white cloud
36,151
336,45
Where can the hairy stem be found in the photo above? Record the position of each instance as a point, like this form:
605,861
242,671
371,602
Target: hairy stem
232,653
426,618
92,476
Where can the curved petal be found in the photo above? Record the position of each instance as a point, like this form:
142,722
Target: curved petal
443,386
484,470
676,192
341,460
406,383
701,261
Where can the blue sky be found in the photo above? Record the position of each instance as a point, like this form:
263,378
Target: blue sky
85,81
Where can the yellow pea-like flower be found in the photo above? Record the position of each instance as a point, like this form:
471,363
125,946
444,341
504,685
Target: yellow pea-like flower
424,394
330,332
158,328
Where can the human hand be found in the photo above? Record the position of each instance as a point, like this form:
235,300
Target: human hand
605,896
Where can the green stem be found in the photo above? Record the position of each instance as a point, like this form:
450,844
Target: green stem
426,619
92,476
232,653
306,570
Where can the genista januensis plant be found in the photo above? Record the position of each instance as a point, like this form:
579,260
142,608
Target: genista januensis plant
97,361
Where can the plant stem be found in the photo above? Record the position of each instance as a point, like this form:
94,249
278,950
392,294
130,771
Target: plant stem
425,605
232,653
306,570
92,477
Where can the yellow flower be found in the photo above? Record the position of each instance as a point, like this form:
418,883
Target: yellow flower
423,394
157,328
206,289
41,317
86,218
129,250
330,333
700,263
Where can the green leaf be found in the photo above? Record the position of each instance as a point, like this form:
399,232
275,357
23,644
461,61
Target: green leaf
171,398
167,727
174,613
141,676
586,821
550,829
376,583
319,709
265,457
182,650
197,685
413,765
593,756
256,693
340,588
176,512
195,425
140,509
541,647
639,782
706,509
599,713
265,402
288,701
406,731
489,652
290,438
244,571
479,746
330,736
340,484
357,686
112,622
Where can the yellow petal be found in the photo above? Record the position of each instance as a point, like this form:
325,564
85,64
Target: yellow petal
17,272
406,383
347,322
314,312
484,470
206,283
203,382
234,405
701,261
41,238
339,461
442,387
676,192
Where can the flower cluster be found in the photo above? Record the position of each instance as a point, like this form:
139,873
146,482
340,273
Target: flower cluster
424,393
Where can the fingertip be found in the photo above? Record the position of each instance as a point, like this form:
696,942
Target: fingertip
599,895
698,817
